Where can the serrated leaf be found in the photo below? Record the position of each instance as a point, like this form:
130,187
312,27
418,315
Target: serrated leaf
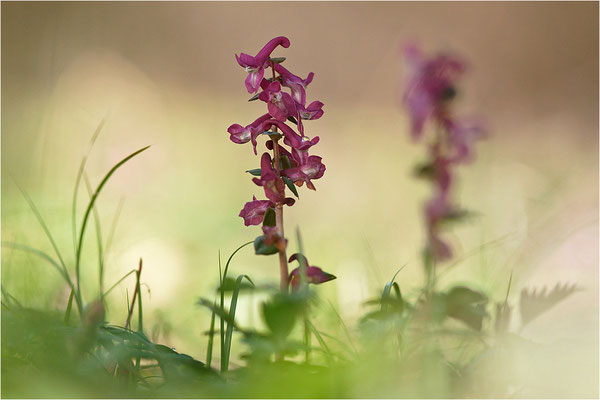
290,185
278,60
261,248
270,218
255,97
255,172
533,303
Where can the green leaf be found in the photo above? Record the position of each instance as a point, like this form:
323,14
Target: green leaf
290,185
281,313
255,97
255,172
270,218
278,60
261,248
466,305
292,119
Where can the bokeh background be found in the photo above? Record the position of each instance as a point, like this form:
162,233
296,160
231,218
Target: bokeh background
165,74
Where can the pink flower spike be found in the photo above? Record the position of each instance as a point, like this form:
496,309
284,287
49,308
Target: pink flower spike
254,211
431,81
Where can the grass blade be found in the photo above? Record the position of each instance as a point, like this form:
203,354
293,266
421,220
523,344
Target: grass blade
89,209
232,309
69,306
98,236
222,296
211,335
119,281
43,255
78,180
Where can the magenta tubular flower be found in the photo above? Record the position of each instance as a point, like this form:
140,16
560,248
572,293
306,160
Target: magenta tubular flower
296,84
313,168
273,185
430,83
243,134
314,275
313,111
280,104
255,66
254,211
272,236
291,138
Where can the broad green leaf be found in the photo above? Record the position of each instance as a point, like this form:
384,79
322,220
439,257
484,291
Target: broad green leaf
261,248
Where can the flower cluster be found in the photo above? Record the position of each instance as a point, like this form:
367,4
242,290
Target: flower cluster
286,167
428,97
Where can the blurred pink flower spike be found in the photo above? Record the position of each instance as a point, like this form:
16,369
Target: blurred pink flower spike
430,83
314,275
255,66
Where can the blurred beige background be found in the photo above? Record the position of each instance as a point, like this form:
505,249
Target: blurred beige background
165,74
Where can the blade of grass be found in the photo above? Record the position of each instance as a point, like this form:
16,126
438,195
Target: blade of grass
43,225
222,278
138,273
78,180
88,211
119,281
211,335
69,306
98,236
9,297
388,289
304,289
232,309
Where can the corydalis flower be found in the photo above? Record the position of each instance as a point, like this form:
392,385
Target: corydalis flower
314,275
271,182
255,66
244,134
313,168
296,84
430,84
313,111
280,104
291,138
254,211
